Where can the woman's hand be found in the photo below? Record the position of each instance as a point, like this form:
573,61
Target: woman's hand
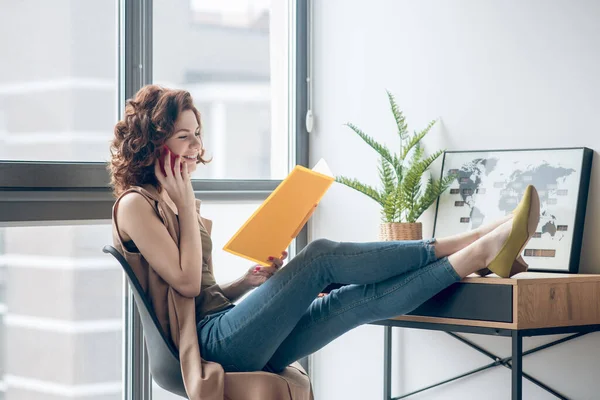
177,184
257,275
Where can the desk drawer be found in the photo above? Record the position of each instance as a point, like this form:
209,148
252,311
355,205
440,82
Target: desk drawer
470,301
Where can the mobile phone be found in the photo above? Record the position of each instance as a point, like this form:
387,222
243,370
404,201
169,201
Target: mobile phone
163,153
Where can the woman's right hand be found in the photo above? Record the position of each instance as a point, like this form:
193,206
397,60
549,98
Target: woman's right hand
177,184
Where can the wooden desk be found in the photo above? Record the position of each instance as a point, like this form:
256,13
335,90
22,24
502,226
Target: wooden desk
528,304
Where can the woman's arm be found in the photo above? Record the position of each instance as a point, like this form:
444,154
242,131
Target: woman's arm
255,277
236,289
180,266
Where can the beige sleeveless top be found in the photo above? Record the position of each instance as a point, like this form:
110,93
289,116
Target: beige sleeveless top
211,298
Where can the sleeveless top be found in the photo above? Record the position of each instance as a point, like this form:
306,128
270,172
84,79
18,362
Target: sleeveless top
211,298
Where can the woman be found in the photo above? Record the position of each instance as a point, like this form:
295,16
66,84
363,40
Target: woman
283,319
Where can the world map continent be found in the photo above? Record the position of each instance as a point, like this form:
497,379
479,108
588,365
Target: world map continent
545,177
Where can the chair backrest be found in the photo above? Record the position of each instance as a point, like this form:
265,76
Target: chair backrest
162,353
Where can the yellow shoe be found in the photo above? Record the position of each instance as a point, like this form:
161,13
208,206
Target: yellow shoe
525,222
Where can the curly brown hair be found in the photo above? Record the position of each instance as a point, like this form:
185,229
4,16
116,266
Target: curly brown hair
147,124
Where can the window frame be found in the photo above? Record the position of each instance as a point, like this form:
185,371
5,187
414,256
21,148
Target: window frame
47,193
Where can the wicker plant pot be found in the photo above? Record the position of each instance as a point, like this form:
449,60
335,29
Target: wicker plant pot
400,231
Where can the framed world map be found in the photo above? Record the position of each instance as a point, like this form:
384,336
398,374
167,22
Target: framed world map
490,183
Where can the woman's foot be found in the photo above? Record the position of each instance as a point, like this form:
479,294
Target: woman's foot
476,257
499,249
450,245
522,227
487,228
484,230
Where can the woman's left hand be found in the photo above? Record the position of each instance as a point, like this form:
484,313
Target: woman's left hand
257,274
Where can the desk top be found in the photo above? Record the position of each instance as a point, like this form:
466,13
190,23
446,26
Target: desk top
532,278
539,300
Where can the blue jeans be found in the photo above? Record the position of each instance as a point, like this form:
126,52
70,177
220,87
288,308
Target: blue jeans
283,320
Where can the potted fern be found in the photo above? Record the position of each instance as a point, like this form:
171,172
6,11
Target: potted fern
406,192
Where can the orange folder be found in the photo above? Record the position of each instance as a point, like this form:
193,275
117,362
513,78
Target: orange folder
279,219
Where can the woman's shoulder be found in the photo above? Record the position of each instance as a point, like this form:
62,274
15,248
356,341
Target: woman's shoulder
147,191
134,197
132,207
132,200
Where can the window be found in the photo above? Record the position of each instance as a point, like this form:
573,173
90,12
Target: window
2,314
61,313
232,56
58,86
235,59
72,64
60,296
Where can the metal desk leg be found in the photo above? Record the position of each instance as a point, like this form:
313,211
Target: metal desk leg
387,363
517,365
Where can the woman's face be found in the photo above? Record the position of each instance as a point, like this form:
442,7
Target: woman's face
186,140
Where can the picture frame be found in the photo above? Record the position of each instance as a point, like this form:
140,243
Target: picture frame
490,183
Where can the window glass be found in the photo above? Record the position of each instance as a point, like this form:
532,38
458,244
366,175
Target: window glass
232,56
60,313
58,79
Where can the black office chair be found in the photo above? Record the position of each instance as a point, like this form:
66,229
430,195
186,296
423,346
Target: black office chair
163,355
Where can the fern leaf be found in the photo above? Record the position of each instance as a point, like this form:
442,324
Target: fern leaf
388,194
434,189
416,139
356,185
400,204
412,180
399,169
411,188
398,116
446,182
379,148
387,176
424,164
417,154
424,201
389,207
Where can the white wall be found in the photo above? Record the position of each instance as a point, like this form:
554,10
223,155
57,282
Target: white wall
498,74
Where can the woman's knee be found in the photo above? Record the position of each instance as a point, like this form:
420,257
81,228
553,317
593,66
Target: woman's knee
318,247
314,251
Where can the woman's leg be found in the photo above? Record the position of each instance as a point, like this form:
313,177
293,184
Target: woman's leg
450,245
350,306
245,337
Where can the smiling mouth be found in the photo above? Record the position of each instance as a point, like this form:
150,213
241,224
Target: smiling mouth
190,158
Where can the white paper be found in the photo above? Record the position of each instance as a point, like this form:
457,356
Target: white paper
322,168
